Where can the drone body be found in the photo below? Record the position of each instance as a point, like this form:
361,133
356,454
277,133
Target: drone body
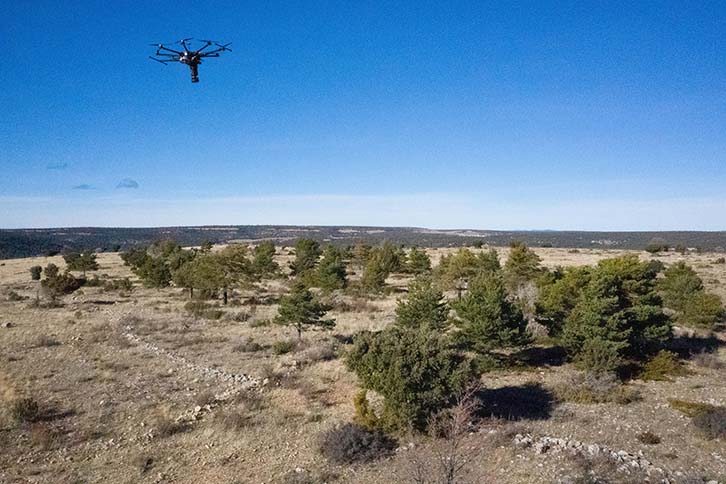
188,56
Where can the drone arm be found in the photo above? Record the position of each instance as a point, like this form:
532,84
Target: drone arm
166,48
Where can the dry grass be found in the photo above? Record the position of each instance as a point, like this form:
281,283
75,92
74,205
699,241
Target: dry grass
265,434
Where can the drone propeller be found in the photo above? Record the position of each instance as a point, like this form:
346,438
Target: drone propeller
157,60
223,46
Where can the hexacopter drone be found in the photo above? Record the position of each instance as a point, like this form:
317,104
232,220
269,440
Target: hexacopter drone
190,57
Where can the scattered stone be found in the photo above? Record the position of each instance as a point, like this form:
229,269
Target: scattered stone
545,444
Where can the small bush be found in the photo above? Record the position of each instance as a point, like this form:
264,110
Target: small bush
720,260
14,296
35,273
588,388
649,438
248,346
45,341
662,366
283,347
351,443
25,410
260,323
319,352
200,309
166,426
598,356
418,373
688,408
711,423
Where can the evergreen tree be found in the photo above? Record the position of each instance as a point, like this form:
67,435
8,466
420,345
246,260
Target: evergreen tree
425,306
487,319
307,252
263,261
374,274
559,292
330,273
300,309
679,284
51,271
235,267
522,266
35,273
418,262
619,305
464,265
418,373
81,261
361,252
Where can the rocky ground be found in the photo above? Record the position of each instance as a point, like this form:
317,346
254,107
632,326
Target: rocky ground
133,389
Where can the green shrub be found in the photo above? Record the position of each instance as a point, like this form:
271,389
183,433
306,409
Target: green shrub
590,388
688,408
559,293
487,318
351,443
649,438
709,420
662,366
656,245
702,310
679,284
283,347
61,284
423,307
598,356
35,273
25,410
417,372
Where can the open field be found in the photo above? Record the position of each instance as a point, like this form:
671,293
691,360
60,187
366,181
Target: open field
134,389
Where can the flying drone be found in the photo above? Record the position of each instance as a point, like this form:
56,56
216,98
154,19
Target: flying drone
188,56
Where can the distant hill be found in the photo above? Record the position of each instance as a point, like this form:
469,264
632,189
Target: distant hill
33,242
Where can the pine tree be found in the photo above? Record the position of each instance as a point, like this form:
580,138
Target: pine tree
418,262
374,274
35,273
487,318
300,309
307,252
522,266
81,261
425,307
263,261
330,273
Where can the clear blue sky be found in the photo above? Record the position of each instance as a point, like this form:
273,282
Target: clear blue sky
522,115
